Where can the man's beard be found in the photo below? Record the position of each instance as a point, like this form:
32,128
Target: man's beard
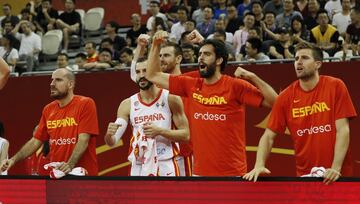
60,95
207,72
148,84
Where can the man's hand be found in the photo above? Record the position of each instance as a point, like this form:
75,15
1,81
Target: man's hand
6,164
243,73
112,128
65,167
143,40
254,174
331,175
195,37
151,130
160,37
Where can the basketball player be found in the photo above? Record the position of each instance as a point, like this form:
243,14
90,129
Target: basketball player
151,113
216,107
316,109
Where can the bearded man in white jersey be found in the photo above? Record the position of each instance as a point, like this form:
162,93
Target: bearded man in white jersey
151,112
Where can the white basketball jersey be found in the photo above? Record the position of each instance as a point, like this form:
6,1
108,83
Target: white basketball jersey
158,113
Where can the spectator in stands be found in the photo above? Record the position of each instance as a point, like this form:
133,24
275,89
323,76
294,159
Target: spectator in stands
257,9
299,31
155,12
30,44
220,9
241,36
108,43
26,15
206,27
178,28
325,36
301,6
243,8
111,29
198,14
275,6
157,24
221,35
135,31
310,19
126,56
35,7
190,25
188,54
90,49
69,22
352,35
254,53
8,52
342,19
282,48
234,21
333,7
80,60
254,32
63,61
171,16
4,146
8,28
220,25
268,24
103,63
46,18
284,19
8,16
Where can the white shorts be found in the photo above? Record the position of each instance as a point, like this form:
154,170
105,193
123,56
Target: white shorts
167,167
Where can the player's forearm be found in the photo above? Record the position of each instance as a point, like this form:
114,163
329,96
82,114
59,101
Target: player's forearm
79,150
341,147
263,151
4,72
176,135
29,148
267,91
153,62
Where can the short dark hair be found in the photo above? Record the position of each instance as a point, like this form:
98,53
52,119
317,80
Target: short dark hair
183,8
126,50
25,10
64,54
249,14
177,48
255,43
105,50
93,44
8,5
114,24
187,46
321,11
256,2
316,51
109,40
219,49
11,39
80,55
270,12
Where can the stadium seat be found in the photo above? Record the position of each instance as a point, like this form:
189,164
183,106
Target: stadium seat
93,20
51,43
340,54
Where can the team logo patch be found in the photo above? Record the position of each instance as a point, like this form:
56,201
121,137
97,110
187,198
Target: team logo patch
136,103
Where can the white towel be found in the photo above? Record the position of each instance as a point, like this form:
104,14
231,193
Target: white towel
144,163
316,172
56,173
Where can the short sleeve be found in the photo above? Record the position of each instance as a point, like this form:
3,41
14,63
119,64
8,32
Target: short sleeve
88,121
181,85
344,107
277,120
247,93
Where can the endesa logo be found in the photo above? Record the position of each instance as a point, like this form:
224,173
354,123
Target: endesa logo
210,116
63,141
314,130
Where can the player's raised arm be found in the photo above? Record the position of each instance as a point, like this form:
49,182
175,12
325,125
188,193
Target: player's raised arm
153,72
